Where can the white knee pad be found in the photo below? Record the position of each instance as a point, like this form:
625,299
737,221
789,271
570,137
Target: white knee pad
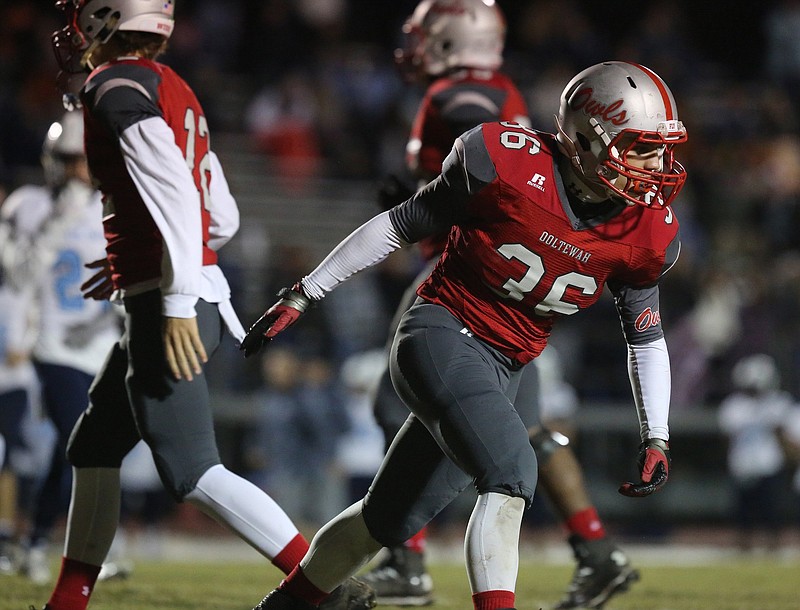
491,545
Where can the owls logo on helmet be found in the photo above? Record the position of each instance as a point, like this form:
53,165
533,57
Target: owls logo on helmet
611,109
91,23
442,35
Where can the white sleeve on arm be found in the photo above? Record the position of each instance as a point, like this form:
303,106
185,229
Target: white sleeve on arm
649,372
366,246
222,208
166,186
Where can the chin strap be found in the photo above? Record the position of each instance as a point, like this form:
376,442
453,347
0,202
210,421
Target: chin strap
575,177
568,147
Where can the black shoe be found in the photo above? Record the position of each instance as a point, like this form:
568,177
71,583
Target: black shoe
353,594
278,600
603,571
401,580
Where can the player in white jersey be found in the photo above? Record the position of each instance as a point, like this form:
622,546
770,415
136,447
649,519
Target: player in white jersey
56,231
17,382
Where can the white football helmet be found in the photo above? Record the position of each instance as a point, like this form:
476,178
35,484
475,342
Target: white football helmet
64,139
446,34
756,373
611,109
90,23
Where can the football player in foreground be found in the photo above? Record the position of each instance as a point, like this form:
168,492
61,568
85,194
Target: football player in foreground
167,210
456,48
539,224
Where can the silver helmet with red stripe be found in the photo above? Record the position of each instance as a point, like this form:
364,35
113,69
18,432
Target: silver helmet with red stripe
91,23
442,35
611,111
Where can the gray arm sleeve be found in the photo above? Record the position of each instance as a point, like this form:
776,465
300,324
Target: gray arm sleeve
438,206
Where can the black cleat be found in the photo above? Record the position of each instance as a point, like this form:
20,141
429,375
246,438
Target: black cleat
603,571
401,580
353,594
278,600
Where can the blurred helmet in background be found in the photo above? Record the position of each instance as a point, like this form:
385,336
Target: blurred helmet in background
757,373
442,35
63,142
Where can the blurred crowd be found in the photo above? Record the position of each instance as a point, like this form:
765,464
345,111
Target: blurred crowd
313,85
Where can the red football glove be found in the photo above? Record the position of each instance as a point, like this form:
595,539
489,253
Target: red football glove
653,461
293,302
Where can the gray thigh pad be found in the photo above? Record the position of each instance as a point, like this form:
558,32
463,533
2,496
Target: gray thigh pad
390,411
459,388
173,417
527,398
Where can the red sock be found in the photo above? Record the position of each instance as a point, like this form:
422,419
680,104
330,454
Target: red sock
297,585
586,524
74,585
417,542
493,600
291,554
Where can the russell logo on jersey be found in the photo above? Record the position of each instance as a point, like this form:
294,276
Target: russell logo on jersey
537,182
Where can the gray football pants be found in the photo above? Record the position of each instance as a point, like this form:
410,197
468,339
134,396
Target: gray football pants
390,410
464,428
135,397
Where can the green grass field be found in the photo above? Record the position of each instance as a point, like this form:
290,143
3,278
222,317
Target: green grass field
733,585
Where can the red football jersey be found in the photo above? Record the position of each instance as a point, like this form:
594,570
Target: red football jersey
143,89
451,106
522,259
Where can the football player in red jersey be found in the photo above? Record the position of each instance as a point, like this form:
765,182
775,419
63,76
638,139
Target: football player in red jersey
455,47
167,210
538,225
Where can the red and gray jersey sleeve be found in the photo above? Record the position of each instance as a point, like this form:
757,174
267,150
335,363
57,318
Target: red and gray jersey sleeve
443,202
122,95
638,307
